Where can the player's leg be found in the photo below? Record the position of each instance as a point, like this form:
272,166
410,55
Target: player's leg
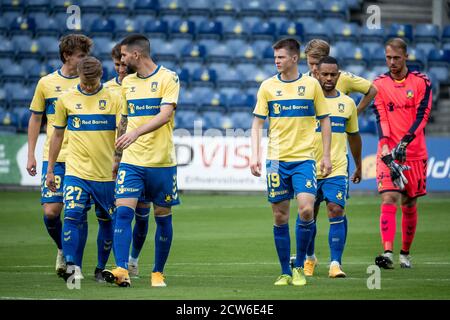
52,203
76,198
140,230
280,191
82,234
336,239
161,188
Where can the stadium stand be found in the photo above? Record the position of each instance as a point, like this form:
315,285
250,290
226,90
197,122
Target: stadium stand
221,49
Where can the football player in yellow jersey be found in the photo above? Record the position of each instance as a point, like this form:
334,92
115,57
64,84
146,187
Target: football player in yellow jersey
90,112
316,49
334,188
148,164
292,102
142,212
72,49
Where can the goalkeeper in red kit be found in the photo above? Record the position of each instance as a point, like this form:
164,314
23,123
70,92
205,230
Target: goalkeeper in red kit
402,108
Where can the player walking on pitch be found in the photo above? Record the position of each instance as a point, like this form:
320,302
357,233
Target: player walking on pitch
292,102
402,108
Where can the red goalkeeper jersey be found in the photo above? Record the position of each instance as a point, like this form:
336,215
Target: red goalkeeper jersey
403,108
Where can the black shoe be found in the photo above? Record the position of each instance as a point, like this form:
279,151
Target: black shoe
383,261
98,275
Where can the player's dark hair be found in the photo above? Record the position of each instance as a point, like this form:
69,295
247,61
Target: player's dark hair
290,44
397,43
138,41
90,68
73,42
328,60
115,52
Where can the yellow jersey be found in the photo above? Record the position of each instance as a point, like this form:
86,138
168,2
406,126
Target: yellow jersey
91,121
114,85
144,98
349,82
292,108
344,120
48,89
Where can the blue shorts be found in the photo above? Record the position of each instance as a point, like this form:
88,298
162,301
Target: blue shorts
48,196
286,179
334,189
157,185
78,194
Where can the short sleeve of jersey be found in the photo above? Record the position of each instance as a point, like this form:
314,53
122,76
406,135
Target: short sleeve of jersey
353,83
262,107
352,123
320,103
171,90
38,102
60,115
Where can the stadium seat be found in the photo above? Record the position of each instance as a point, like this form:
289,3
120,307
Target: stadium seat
148,7
49,46
12,5
320,31
92,6
308,8
37,71
188,101
9,121
345,31
292,29
427,32
242,120
254,8
14,72
416,59
23,117
183,29
26,47
54,64
22,25
102,27
372,47
4,26
282,8
335,9
168,50
404,31
46,26
172,8
214,101
230,77
240,101
198,7
210,30
426,47
446,34
204,77
102,47
23,97
157,28
439,65
356,55
212,119
119,7
7,48
186,118
61,5
125,26
236,29
193,52
219,53
372,35
265,30
246,54
225,8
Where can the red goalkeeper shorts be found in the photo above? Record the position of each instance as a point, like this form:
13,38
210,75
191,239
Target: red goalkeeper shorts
416,176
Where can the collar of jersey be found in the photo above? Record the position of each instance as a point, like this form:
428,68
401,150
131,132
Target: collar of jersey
288,81
152,74
60,73
336,96
117,81
89,94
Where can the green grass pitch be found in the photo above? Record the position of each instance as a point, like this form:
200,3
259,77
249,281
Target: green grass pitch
223,249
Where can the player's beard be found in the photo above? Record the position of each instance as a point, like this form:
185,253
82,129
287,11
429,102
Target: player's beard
131,69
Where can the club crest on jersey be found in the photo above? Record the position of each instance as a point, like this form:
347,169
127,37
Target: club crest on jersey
76,122
279,93
409,94
309,184
339,195
341,107
168,198
301,90
276,108
154,86
102,104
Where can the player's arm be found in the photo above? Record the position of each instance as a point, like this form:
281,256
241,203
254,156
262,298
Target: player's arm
384,130
355,143
423,114
56,143
37,109
256,136
122,128
368,97
325,164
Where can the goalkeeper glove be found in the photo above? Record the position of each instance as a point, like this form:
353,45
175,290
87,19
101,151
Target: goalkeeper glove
399,152
397,176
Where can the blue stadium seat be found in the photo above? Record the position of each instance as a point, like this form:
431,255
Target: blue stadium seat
236,29
125,26
9,121
356,55
212,119
119,7
49,46
204,77
92,6
378,59
372,35
188,101
345,31
186,118
23,115
404,31
241,101
242,120
366,125
219,53
157,28
27,47
7,48
426,47
14,72
22,97
209,43
354,4
308,8
172,7
22,25
281,8
320,31
61,5
37,71
200,94
183,74
183,29
229,77
416,59
446,34
225,7
193,52
4,26
427,32
246,54
337,9
255,8
292,29
265,30
46,26
149,7
439,65
103,27
372,47
102,47
357,69
165,50
12,5
198,7
210,30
